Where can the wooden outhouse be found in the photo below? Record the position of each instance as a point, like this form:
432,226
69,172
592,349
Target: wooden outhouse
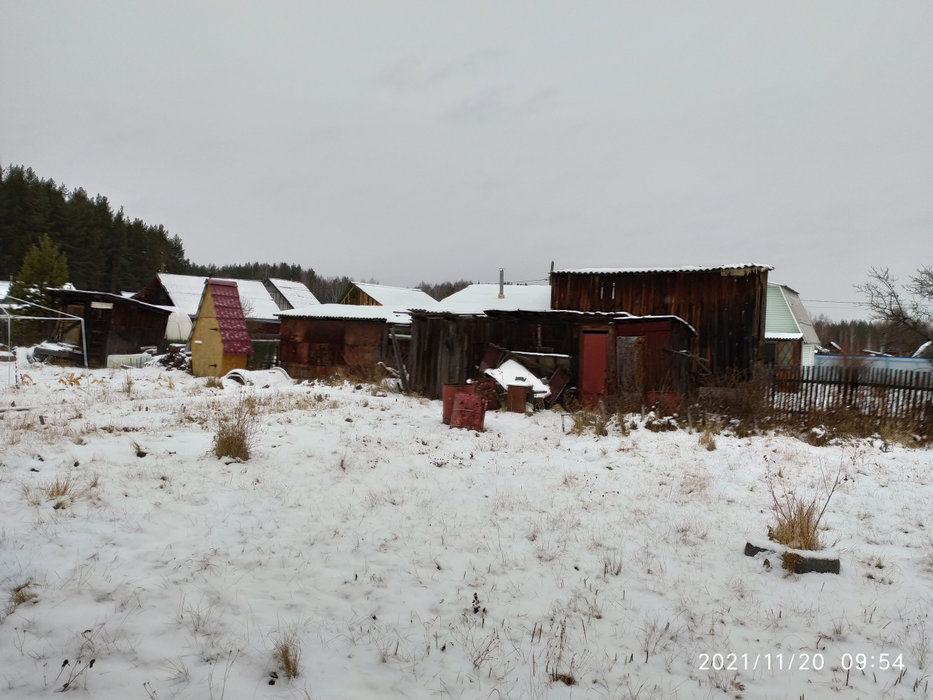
219,339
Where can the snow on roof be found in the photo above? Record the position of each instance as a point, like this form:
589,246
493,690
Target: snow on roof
784,336
629,318
398,297
483,297
295,293
69,290
185,291
349,312
683,268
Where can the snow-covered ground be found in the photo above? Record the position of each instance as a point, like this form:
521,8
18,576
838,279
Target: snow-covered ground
404,559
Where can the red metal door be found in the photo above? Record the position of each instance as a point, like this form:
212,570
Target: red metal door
594,356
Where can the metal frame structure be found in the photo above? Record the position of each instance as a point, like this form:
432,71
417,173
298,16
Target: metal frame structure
60,315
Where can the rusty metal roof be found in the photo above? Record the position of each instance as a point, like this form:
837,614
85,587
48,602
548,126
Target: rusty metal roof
230,318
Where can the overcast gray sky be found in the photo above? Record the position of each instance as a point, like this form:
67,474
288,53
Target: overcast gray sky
409,141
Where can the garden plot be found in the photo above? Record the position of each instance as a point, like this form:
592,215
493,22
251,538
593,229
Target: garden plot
364,549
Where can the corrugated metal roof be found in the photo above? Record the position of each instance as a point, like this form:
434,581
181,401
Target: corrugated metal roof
642,270
295,293
349,312
398,297
784,336
230,318
477,298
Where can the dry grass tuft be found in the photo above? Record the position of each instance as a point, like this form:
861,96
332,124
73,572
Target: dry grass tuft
797,520
214,383
287,653
236,432
612,563
796,524
584,420
63,491
358,375
708,436
660,424
62,487
565,678
19,595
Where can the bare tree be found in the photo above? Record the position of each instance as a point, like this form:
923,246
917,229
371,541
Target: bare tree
909,309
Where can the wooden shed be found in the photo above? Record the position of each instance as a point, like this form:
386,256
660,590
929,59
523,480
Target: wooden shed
725,304
114,325
594,347
317,341
219,340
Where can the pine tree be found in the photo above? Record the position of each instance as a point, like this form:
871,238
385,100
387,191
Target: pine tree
24,212
43,266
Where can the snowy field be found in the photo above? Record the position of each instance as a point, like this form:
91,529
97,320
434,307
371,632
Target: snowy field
403,559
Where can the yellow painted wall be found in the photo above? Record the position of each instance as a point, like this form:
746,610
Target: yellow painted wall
207,348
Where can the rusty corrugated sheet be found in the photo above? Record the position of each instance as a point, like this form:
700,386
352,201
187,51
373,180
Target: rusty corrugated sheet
317,347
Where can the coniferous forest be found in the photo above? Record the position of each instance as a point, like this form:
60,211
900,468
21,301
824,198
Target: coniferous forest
110,251
106,250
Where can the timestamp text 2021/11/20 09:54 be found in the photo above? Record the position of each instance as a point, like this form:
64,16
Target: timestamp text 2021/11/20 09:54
797,661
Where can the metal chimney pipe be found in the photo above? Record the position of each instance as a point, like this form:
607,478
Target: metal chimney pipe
501,283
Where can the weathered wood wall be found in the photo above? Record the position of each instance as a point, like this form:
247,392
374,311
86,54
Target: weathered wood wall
444,349
662,368
725,306
357,297
447,348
